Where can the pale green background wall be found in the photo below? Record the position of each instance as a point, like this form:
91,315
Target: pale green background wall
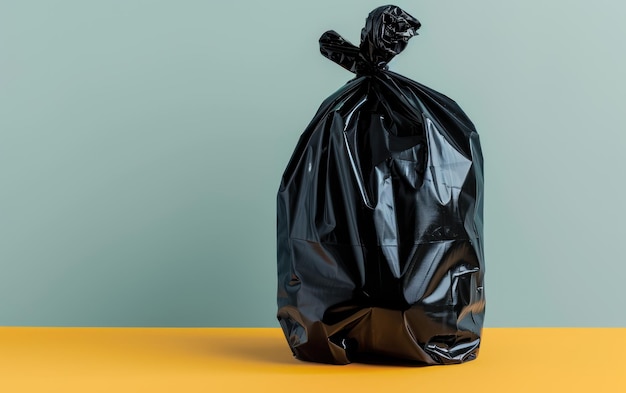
142,143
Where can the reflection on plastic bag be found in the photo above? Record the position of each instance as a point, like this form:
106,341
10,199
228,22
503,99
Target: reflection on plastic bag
380,248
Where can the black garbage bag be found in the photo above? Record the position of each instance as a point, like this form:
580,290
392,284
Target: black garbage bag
380,248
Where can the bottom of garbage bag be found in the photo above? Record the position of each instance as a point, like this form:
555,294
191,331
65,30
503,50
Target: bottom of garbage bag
414,336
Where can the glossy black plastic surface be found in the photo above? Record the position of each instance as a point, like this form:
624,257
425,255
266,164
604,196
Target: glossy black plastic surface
380,248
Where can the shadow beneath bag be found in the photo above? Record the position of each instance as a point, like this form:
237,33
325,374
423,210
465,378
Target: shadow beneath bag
257,349
237,346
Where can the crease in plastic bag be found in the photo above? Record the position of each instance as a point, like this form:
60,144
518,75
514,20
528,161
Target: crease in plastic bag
379,230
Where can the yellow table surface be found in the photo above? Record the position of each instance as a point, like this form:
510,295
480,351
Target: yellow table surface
258,360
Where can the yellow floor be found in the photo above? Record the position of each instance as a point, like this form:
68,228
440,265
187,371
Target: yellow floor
258,360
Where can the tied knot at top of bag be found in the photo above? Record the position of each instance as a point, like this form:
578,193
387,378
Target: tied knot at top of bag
386,33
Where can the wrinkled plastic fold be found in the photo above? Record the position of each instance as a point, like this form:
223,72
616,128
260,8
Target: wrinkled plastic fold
379,235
